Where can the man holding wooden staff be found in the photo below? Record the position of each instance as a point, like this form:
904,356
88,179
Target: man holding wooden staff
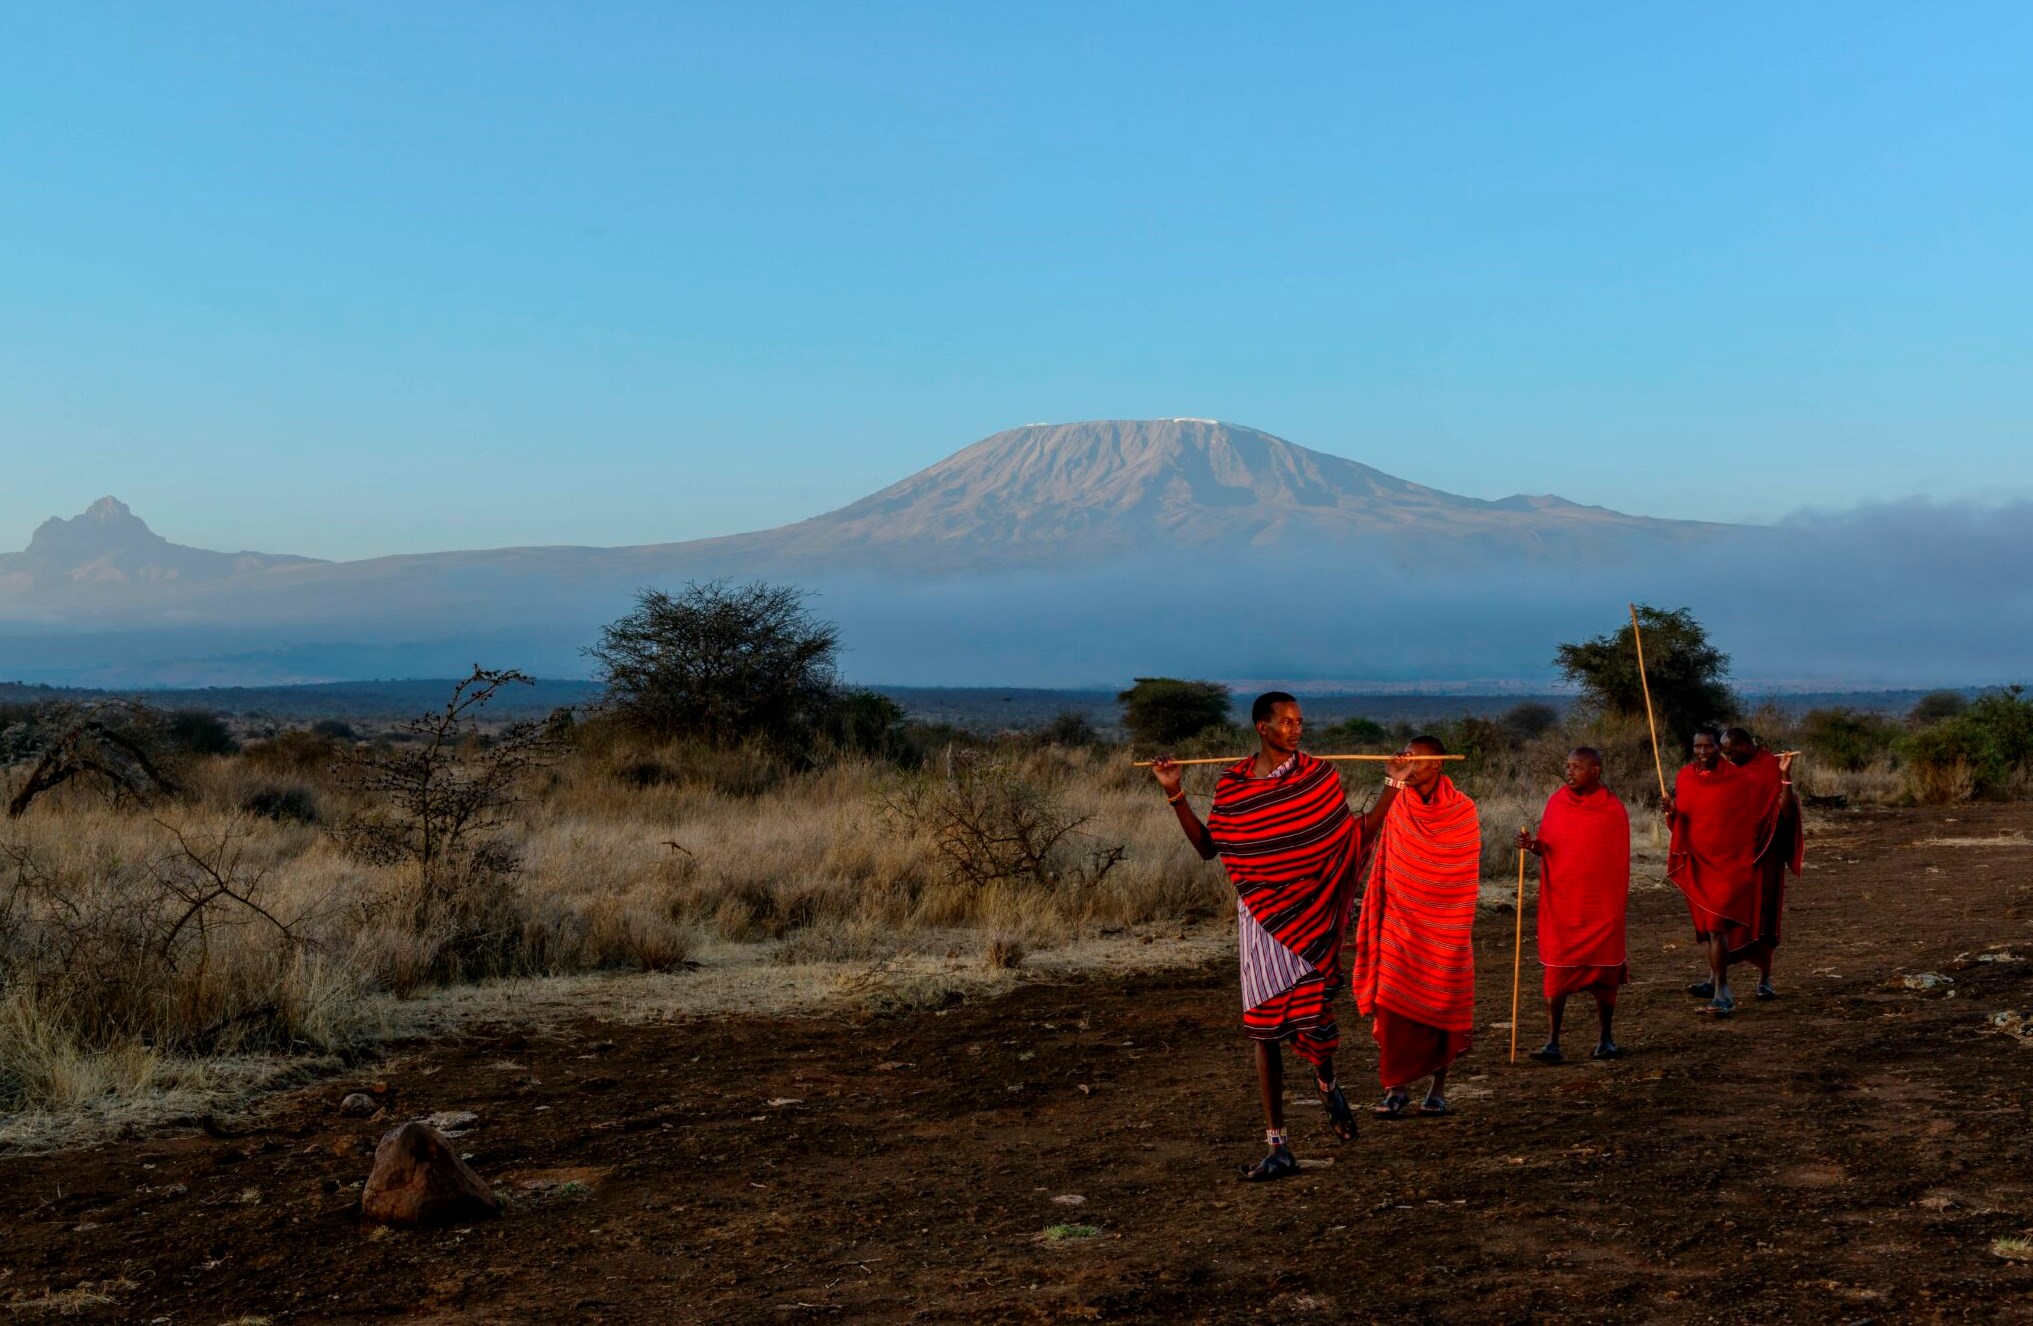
1781,845
1584,850
1716,812
1414,961
1282,827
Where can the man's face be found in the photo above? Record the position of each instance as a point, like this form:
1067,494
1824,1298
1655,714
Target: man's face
1707,753
1281,730
1424,773
1584,774
1738,750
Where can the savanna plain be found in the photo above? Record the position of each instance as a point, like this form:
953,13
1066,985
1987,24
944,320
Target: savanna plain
946,1030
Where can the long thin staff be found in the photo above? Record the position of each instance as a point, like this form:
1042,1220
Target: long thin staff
1231,759
1518,955
1637,638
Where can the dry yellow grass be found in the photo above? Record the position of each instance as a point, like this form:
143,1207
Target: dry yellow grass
620,869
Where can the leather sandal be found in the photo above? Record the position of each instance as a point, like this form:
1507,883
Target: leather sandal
1278,1164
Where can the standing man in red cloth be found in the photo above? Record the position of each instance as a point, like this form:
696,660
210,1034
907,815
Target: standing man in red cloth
1782,845
1282,827
1584,851
1414,961
1715,813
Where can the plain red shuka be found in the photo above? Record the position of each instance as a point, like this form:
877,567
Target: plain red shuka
1584,892
1717,815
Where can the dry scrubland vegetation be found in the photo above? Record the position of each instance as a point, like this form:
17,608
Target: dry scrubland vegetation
185,908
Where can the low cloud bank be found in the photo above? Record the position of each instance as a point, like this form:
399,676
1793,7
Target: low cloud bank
1902,594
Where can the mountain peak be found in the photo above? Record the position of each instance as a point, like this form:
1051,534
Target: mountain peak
1074,493
107,544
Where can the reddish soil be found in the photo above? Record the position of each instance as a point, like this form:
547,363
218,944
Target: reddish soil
1849,1152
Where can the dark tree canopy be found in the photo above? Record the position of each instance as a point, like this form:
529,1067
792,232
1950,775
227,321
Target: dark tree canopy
1689,675
1159,711
724,664
1937,707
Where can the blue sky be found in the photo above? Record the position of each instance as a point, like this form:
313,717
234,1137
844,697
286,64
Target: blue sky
352,279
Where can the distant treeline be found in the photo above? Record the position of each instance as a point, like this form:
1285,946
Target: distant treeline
975,708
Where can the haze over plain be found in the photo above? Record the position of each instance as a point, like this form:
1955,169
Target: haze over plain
350,283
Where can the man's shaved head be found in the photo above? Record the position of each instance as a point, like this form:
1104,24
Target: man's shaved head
1426,745
1425,773
1742,734
1583,769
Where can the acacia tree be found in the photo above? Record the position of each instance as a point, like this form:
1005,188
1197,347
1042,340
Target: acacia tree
724,664
1688,674
1159,711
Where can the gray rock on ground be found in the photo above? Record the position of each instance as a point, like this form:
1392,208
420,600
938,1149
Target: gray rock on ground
418,1179
357,1105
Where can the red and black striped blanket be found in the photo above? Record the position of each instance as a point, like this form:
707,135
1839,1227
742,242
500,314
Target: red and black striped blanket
1289,844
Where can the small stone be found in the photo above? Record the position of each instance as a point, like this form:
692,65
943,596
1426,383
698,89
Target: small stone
419,1180
451,1122
357,1105
1928,980
1069,1199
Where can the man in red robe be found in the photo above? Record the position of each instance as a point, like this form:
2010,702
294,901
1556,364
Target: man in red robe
1282,827
1716,812
1584,851
1414,961
1782,846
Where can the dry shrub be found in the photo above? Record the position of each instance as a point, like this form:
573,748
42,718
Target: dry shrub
1005,952
997,824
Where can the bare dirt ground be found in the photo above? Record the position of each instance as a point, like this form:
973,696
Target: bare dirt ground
1850,1152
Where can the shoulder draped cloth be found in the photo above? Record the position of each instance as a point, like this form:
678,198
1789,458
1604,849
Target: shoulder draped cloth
1777,829
1413,954
1584,879
1289,845
1717,813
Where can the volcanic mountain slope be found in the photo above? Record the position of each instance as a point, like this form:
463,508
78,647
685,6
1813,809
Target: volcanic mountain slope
108,548
1065,494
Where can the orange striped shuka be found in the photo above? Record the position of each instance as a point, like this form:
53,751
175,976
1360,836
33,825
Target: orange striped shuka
1290,845
1414,960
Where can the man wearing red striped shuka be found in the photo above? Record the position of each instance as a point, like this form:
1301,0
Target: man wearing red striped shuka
1782,846
1282,827
1414,962
1584,851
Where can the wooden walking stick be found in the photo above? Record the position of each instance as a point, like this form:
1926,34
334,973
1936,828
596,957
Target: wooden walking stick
1518,955
1638,639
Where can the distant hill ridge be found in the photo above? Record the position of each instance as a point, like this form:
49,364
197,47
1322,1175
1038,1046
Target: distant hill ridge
107,544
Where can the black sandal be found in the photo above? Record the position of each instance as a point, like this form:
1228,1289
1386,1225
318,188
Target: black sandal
1548,1053
1393,1106
1702,989
1339,1116
1720,1008
1279,1164
1433,1107
1608,1050
1765,991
